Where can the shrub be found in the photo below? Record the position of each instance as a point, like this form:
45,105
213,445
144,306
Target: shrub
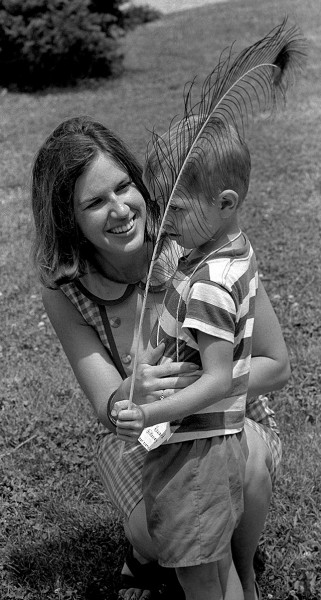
57,42
136,15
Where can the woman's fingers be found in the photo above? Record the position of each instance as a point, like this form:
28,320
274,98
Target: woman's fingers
180,382
169,369
169,385
153,356
173,383
152,380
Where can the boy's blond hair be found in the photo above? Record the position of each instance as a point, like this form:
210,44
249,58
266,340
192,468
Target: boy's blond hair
220,160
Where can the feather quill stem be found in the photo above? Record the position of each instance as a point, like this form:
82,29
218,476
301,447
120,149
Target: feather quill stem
257,70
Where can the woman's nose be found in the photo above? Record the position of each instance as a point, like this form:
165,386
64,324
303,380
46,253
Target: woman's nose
119,210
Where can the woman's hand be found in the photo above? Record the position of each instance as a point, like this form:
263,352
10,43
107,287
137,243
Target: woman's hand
154,382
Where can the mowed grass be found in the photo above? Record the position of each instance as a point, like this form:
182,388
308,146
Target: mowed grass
59,536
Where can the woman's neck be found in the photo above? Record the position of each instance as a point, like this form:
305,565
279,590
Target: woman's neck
129,270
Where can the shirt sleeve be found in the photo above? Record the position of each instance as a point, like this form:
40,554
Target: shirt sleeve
211,309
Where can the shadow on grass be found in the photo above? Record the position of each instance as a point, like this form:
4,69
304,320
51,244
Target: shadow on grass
82,562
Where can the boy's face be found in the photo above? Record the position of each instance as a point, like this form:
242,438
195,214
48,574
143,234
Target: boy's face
193,221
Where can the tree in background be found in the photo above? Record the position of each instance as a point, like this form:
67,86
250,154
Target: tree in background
58,42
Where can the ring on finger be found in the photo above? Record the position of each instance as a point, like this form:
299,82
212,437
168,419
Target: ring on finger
162,395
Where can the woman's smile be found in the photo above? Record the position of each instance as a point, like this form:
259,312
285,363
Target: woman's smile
123,228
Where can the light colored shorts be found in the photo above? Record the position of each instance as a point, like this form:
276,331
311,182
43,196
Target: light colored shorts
121,470
193,494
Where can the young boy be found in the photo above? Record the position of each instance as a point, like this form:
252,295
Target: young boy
193,483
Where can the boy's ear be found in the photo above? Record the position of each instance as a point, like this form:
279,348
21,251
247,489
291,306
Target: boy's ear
228,202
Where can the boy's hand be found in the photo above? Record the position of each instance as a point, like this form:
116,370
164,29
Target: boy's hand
130,422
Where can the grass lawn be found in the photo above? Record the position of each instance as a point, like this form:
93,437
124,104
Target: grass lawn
59,537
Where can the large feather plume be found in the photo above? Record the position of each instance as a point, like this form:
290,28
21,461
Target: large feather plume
237,90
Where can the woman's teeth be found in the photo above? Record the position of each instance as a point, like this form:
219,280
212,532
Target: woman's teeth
124,228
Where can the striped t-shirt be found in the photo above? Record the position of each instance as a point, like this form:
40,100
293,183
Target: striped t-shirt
215,296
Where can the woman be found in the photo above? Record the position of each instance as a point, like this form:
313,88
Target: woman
94,228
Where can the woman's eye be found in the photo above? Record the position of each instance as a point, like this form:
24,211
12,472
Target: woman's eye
175,208
124,186
95,202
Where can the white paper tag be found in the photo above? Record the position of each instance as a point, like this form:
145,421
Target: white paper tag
154,436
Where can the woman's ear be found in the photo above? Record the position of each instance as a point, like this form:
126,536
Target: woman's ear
228,202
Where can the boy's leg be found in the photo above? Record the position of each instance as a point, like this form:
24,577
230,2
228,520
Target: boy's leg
210,581
233,586
201,582
143,551
257,496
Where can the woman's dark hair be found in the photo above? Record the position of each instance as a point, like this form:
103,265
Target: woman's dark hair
59,252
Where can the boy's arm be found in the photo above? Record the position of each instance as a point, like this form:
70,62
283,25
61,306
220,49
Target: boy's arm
270,367
214,384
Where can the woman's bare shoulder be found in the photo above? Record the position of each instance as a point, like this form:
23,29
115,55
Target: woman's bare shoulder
59,308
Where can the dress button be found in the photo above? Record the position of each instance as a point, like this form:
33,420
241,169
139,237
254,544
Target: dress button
115,321
126,359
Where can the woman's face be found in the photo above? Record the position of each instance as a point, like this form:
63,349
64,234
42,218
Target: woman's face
109,209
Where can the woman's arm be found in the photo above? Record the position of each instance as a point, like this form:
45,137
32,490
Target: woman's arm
93,367
270,366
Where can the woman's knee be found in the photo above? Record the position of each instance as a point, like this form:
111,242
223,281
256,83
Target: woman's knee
257,471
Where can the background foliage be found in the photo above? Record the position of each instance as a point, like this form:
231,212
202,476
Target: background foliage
59,537
57,42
